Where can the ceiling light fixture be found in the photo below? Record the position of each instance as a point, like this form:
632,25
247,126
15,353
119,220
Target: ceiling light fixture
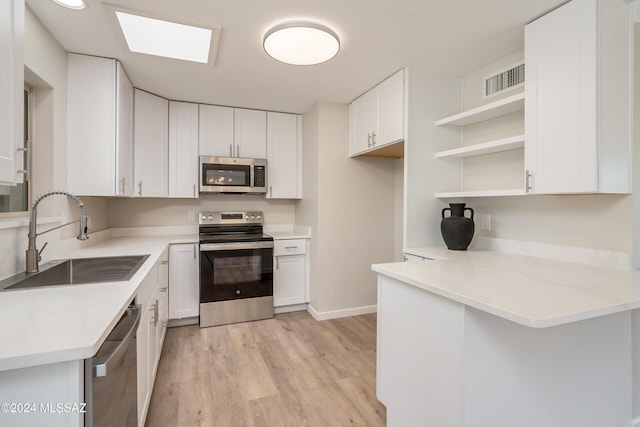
71,4
301,43
164,38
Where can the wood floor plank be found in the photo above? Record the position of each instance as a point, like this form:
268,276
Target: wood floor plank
287,371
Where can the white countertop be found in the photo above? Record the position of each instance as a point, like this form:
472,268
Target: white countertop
55,324
533,292
287,231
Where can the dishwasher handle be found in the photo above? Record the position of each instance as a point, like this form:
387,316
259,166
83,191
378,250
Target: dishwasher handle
101,364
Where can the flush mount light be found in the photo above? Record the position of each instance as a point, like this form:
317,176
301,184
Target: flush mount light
71,4
301,43
164,38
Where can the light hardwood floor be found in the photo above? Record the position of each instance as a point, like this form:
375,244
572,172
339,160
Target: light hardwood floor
287,371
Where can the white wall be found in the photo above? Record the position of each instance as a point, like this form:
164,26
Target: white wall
349,203
46,70
589,221
158,212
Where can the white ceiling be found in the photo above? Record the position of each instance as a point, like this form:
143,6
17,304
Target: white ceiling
378,37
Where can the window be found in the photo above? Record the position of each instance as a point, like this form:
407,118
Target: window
16,198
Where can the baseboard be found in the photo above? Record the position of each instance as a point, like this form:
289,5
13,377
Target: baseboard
183,322
347,312
290,308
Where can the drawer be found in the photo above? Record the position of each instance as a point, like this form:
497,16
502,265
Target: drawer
289,247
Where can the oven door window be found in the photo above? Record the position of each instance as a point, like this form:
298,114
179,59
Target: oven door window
236,274
226,175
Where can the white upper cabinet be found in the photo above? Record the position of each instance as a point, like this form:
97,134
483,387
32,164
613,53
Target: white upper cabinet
376,118
578,98
124,133
99,126
183,149
11,90
216,131
151,147
391,109
233,132
250,133
284,156
363,117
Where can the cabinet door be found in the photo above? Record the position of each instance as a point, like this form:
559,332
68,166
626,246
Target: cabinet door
250,133
91,125
560,99
184,297
283,158
143,365
151,135
289,280
216,131
163,299
363,122
11,89
124,133
183,149
390,110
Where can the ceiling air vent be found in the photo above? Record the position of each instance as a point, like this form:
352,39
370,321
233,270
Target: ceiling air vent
506,79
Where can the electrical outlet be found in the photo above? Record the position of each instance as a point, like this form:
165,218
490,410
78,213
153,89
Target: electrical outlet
486,222
191,216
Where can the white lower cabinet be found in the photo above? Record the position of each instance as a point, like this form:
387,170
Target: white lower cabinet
153,298
290,272
144,365
184,298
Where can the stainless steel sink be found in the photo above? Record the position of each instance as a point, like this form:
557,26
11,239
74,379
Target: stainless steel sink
78,271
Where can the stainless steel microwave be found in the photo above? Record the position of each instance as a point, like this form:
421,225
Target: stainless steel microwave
233,175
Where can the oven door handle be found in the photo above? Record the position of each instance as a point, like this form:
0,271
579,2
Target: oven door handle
209,247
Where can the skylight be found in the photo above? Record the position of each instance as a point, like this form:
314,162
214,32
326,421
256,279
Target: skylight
167,39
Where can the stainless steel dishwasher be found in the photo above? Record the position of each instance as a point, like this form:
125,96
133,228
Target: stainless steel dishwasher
110,377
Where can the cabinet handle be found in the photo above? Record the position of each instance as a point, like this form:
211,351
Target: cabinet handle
194,191
270,191
527,179
230,150
154,307
194,251
140,188
369,140
373,139
122,185
290,247
237,150
277,263
163,289
165,262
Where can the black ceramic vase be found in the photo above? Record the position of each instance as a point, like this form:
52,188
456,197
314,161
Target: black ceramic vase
457,230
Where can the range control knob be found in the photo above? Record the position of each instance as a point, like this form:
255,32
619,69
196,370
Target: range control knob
237,291
210,217
203,217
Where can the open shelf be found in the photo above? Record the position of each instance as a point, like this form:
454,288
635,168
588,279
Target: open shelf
489,111
499,145
482,193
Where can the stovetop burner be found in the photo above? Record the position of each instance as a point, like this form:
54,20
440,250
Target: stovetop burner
237,226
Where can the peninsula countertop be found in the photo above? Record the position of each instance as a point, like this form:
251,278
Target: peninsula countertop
530,291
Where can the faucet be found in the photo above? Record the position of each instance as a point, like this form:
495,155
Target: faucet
33,255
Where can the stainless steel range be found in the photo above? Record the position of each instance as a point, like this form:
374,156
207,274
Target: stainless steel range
236,268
